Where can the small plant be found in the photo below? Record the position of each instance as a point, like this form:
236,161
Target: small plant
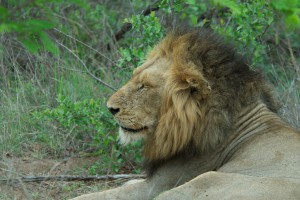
246,24
90,121
86,117
187,10
148,31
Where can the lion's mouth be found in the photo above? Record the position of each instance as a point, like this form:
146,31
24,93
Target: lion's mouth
133,130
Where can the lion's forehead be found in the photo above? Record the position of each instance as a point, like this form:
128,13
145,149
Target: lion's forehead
152,72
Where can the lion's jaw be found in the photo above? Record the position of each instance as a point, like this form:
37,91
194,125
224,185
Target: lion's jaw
137,103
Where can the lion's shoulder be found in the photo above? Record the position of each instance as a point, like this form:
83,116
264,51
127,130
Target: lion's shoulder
271,154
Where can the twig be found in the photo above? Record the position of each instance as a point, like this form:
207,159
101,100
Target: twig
86,68
69,36
73,178
227,23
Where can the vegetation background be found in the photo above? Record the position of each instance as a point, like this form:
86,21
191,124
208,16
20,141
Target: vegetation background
61,59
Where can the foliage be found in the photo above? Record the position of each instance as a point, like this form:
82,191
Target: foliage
90,122
148,31
31,32
187,10
33,21
290,10
85,116
246,25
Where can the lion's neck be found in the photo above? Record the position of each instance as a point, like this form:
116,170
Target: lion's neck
254,119
251,121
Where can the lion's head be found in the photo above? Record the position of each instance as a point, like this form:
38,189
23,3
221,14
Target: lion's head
186,95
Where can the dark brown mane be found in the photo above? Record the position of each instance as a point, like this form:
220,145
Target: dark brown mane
227,71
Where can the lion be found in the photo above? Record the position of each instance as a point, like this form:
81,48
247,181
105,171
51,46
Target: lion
209,124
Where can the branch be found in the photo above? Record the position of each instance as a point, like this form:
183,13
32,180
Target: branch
210,14
87,69
73,178
127,26
73,38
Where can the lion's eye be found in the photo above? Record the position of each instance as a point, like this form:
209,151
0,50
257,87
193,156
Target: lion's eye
142,86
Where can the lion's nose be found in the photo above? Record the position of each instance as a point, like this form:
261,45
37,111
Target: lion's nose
113,110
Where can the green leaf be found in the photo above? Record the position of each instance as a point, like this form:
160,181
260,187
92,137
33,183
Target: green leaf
191,2
30,44
234,7
292,21
3,13
9,27
38,25
284,5
194,20
279,4
48,43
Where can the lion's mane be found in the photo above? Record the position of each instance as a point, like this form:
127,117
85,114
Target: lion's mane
206,88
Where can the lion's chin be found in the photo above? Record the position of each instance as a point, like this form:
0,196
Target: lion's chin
126,137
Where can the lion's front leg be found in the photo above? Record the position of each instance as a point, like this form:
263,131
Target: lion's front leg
171,174
145,189
141,190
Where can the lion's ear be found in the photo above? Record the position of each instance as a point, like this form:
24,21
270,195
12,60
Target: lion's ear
198,87
191,80
181,112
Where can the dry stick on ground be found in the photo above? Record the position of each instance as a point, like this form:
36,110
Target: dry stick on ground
73,178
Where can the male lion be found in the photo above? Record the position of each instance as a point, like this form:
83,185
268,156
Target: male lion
209,126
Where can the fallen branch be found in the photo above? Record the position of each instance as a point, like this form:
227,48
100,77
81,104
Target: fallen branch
73,178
